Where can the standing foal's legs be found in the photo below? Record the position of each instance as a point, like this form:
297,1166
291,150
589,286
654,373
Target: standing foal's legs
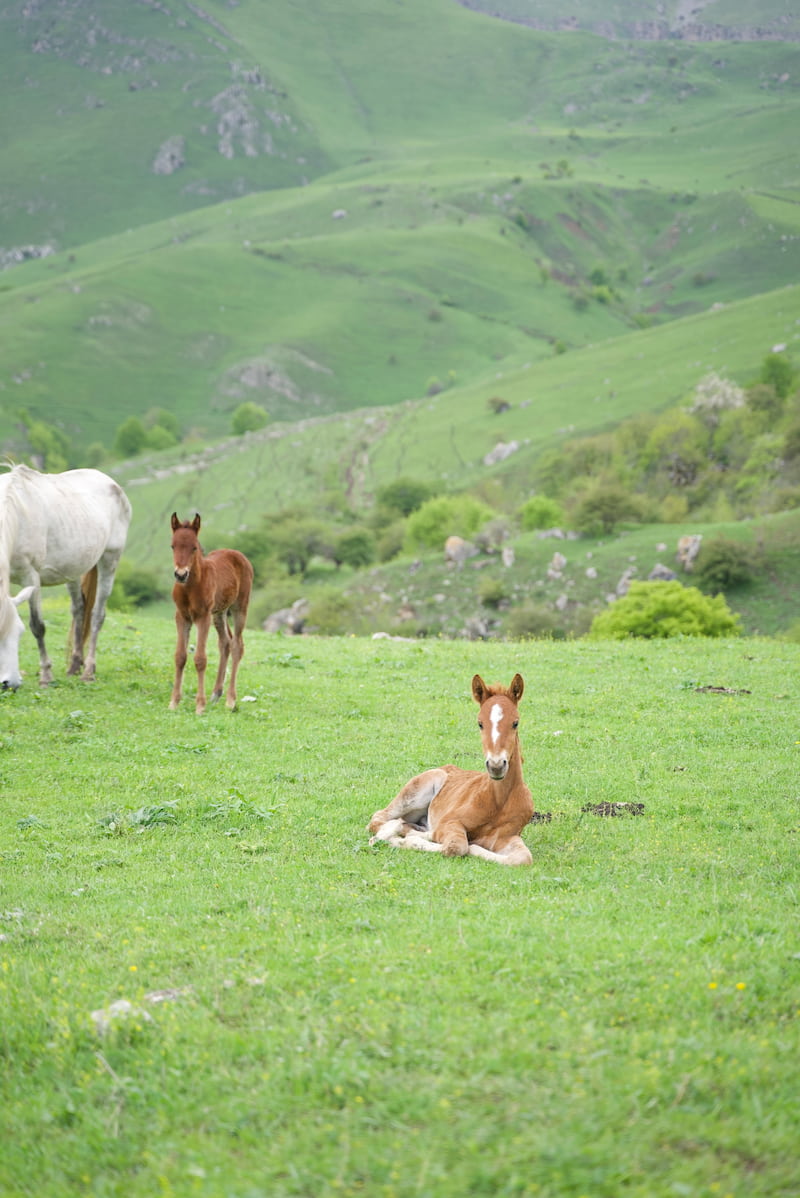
225,639
203,626
237,651
184,627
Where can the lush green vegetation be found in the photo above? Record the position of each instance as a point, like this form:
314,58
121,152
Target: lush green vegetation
312,1015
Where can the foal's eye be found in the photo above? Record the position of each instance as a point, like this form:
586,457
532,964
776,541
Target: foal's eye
480,725
515,724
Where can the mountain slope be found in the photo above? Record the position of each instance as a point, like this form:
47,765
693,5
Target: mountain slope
323,209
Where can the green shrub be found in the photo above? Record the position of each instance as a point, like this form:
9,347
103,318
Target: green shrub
331,613
390,542
131,438
723,563
248,418
530,620
603,507
49,445
777,370
136,585
492,592
446,515
355,548
791,442
404,495
664,609
159,437
540,512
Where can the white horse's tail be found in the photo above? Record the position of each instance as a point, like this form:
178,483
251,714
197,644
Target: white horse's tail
89,592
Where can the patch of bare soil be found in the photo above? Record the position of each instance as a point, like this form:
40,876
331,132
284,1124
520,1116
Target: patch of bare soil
606,809
720,690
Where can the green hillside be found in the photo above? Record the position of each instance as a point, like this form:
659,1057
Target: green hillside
372,220
364,212
444,438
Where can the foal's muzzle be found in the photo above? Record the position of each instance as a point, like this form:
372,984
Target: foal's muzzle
181,575
497,767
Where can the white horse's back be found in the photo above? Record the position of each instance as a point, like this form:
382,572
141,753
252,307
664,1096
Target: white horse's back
65,523
55,528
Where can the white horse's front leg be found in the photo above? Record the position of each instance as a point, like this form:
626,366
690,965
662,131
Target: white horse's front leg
37,627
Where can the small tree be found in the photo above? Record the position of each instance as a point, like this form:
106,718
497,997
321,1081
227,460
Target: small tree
161,418
778,370
540,512
664,609
723,563
131,438
249,417
355,548
603,507
135,586
404,495
48,445
714,395
159,437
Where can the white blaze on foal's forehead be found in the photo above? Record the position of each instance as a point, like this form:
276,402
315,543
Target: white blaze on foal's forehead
495,715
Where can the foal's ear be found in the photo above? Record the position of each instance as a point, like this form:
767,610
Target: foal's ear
516,688
196,522
480,691
175,522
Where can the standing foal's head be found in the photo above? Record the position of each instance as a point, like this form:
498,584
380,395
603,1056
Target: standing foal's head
498,719
184,545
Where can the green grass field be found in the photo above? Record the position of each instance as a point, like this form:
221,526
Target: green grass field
310,1015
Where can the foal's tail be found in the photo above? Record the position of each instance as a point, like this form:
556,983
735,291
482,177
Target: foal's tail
89,591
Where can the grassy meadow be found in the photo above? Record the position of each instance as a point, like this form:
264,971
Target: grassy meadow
310,1015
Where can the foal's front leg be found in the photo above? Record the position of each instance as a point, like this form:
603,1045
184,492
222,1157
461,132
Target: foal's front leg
203,626
184,627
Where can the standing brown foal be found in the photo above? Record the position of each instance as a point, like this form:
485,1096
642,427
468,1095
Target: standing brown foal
206,589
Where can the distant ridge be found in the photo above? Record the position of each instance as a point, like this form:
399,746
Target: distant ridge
780,28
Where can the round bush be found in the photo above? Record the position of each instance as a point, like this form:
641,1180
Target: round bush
446,515
723,564
662,609
540,512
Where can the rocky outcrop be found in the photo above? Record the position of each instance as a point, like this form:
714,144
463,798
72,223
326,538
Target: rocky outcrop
24,253
781,29
170,156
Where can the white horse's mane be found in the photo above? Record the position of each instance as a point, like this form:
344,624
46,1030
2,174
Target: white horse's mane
9,522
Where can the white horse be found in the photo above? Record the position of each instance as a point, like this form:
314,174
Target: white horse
58,528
